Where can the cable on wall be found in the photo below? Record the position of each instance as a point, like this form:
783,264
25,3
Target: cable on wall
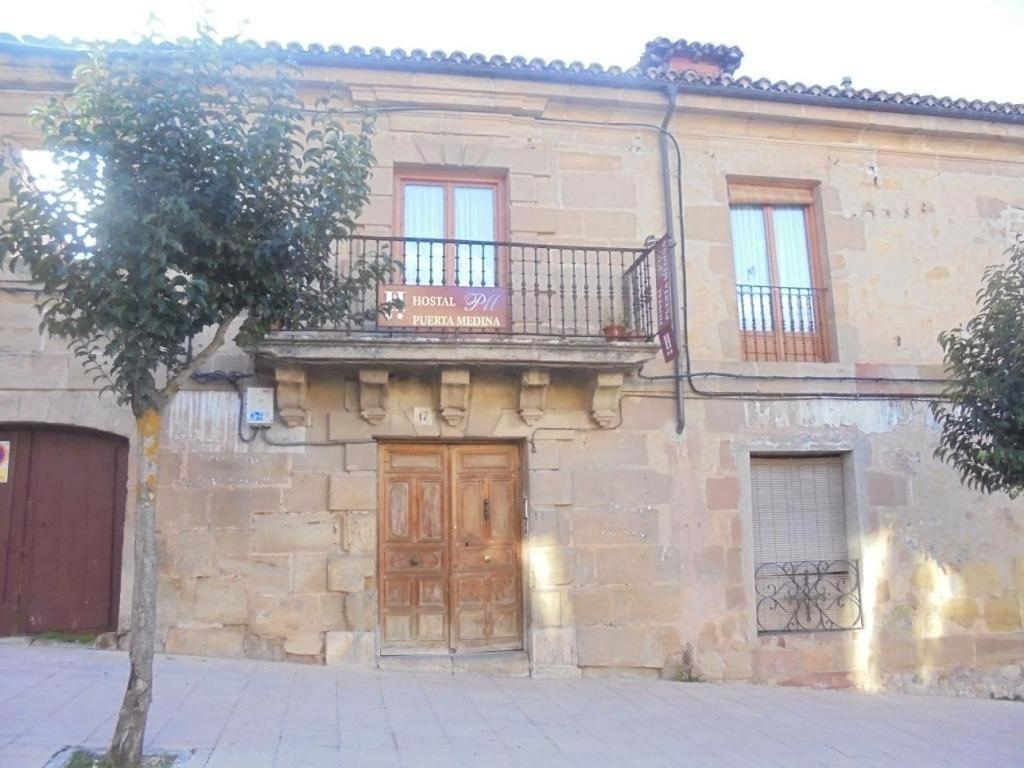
233,378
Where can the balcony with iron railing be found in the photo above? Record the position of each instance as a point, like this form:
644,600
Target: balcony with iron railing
782,323
494,301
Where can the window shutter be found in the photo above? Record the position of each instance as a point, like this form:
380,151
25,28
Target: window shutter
798,507
746,193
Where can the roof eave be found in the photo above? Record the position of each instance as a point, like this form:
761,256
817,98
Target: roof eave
596,79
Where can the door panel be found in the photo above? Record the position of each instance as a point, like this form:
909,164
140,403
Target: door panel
486,605
13,498
432,593
449,559
471,559
414,549
504,512
414,560
431,506
485,457
397,503
470,505
69,549
61,519
416,461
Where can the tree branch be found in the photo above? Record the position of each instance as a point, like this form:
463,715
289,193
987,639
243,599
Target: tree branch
175,382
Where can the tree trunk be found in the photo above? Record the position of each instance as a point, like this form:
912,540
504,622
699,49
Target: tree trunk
126,747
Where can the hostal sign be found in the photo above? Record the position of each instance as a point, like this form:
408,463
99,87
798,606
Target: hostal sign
446,306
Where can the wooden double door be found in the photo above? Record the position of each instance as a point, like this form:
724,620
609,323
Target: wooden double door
449,554
61,520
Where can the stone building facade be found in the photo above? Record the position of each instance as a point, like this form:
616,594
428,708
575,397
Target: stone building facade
536,500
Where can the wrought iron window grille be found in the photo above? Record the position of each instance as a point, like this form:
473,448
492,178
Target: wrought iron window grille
808,596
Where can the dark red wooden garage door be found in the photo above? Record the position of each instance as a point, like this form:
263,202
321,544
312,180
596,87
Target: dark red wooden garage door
61,523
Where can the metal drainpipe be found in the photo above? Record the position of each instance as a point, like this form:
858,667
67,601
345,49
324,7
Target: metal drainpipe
666,183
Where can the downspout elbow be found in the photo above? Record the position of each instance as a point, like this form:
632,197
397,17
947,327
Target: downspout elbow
671,95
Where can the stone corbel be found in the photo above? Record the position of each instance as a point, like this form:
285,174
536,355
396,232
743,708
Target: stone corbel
533,395
604,404
292,388
373,395
454,396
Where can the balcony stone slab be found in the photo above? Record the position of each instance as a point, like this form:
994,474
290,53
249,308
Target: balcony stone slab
342,349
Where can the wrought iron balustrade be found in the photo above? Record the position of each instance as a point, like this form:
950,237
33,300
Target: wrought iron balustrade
540,289
782,323
808,596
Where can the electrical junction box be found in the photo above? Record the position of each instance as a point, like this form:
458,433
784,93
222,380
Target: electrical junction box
259,406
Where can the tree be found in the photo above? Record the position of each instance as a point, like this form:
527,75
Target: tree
983,419
199,196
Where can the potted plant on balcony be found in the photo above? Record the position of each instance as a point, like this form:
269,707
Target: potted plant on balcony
613,328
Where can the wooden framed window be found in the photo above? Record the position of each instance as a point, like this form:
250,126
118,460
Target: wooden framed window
453,221
779,287
804,577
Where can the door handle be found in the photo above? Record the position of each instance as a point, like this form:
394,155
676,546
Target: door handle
487,509
414,561
487,558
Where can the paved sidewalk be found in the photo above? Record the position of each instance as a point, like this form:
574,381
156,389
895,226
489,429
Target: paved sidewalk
248,714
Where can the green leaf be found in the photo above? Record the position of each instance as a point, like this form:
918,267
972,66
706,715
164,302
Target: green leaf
211,193
982,422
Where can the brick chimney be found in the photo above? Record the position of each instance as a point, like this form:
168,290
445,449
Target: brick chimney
681,56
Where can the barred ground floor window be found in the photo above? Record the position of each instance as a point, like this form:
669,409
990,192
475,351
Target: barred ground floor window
805,578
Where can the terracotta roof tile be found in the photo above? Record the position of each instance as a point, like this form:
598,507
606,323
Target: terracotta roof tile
651,72
660,51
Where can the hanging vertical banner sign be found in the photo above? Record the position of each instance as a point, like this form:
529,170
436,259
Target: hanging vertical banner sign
5,459
667,337
666,316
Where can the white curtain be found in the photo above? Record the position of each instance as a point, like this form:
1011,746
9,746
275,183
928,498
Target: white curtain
423,207
750,255
794,268
474,220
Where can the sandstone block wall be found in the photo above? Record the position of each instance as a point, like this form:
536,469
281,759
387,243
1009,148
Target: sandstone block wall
638,558
939,563
270,552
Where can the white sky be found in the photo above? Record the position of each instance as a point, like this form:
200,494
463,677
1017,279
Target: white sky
966,49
